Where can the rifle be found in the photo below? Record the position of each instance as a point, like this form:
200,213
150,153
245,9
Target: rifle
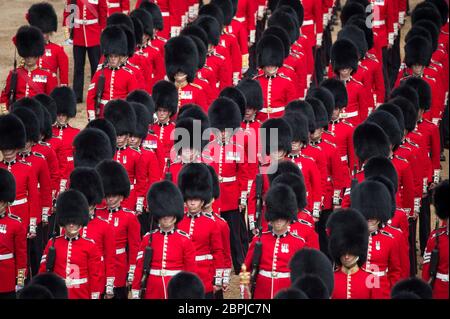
256,260
99,93
148,256
51,254
13,84
434,259
168,176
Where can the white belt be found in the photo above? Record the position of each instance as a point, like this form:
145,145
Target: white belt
273,109
274,274
379,273
75,282
19,202
86,22
120,251
348,115
163,272
227,179
379,23
204,257
442,277
113,5
104,101
9,256
308,22
165,14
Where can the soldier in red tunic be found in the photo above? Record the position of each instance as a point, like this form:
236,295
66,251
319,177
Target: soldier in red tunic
438,241
118,6
196,185
173,249
116,185
88,182
348,240
31,79
13,251
66,109
373,200
278,245
26,204
43,16
76,259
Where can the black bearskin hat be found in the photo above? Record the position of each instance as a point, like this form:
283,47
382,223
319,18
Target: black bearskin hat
269,52
418,51
253,93
186,125
87,181
215,182
389,125
7,186
91,146
351,9
423,90
49,104
107,128
143,119
408,111
43,16
408,92
337,88
29,41
195,182
113,40
165,199
373,200
155,12
181,55
115,178
357,36
416,286
297,6
12,133
281,203
276,132
224,114
141,96
72,208
281,34
30,122
320,112
299,126
396,112
370,140
212,28
66,101
165,95
185,285
440,200
297,183
237,96
121,115
325,96
344,54
381,166
146,20
305,109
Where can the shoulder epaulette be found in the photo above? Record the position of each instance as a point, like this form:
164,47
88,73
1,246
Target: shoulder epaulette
284,76
430,78
161,39
308,157
196,86
432,67
295,54
348,123
363,67
44,144
288,67
15,217
208,67
126,210
88,239
372,57
297,236
437,63
103,219
328,142
38,155
357,81
219,217
127,69
428,121
315,146
397,229
148,149
412,143
220,56
439,232
24,162
136,149
385,233
401,158
183,233
210,216
305,222
152,232
405,147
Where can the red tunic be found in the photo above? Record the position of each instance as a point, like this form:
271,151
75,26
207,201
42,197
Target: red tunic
152,173
352,286
305,229
78,262
274,272
192,93
221,67
52,163
207,240
172,252
56,61
357,102
13,251
164,133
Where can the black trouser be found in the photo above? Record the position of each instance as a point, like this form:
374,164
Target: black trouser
386,64
394,61
120,293
36,248
444,129
238,237
321,230
317,75
412,247
424,223
7,295
326,46
218,294
79,60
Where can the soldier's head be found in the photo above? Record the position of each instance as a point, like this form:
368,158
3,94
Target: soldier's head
344,58
418,52
188,135
278,133
115,180
30,45
7,189
87,181
300,134
72,212
281,207
321,116
43,16
165,204
253,94
195,183
143,120
440,200
339,92
123,117
165,95
31,123
270,54
12,136
114,45
225,116
66,104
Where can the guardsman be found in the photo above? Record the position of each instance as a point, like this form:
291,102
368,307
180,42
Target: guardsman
13,242
148,159
31,79
340,132
66,109
39,164
224,231
438,241
26,204
231,165
344,60
306,164
77,259
239,28
303,223
278,245
119,80
173,249
43,16
83,23
87,181
373,200
159,37
348,239
216,59
181,58
167,100
196,186
116,185
114,6
278,89
123,118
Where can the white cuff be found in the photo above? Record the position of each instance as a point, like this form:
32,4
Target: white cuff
140,204
91,115
401,17
436,176
391,38
417,205
252,36
319,39
95,295
135,294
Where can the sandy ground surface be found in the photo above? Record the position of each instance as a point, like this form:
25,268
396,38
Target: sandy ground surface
12,16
